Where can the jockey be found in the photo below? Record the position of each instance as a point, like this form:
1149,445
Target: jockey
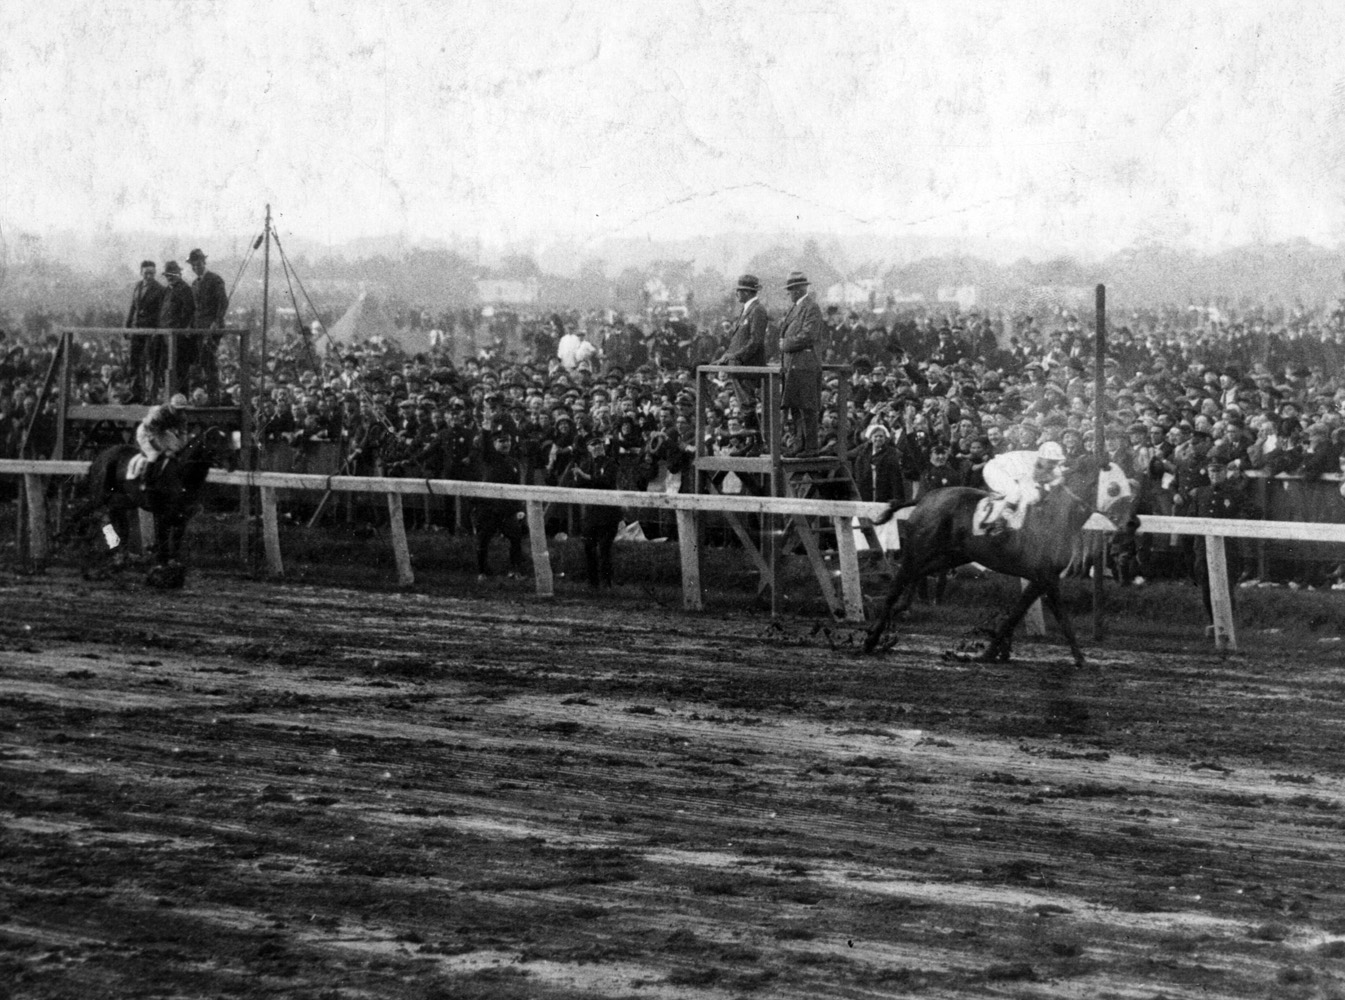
1020,478
160,434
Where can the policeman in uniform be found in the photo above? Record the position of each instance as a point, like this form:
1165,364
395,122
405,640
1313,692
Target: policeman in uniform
1227,496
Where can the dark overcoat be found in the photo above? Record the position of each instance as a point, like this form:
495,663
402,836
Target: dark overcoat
801,370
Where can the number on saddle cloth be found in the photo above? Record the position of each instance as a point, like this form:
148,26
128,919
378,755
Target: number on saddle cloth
989,511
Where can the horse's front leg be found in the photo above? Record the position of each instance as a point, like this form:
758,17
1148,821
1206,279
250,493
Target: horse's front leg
1051,596
165,538
120,519
178,534
880,624
899,593
1001,642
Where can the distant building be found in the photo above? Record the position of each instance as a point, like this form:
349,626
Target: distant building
1068,296
964,296
861,292
658,293
508,292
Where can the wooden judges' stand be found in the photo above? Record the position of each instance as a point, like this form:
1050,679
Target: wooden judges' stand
824,476
126,417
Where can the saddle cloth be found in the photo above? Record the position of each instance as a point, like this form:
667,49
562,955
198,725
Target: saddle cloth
990,509
136,466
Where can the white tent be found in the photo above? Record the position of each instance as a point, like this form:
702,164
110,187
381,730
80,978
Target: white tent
367,318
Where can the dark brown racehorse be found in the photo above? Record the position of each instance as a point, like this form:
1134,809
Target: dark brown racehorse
171,496
940,537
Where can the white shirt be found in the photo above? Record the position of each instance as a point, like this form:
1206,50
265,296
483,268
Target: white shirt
573,349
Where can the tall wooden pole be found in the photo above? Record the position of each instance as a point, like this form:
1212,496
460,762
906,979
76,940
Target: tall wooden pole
1100,440
266,296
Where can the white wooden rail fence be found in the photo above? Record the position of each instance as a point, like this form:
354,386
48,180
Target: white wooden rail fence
534,498
686,505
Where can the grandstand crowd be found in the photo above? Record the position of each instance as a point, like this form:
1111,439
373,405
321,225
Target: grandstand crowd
932,395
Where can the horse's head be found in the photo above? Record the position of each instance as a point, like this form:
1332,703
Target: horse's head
1102,488
207,450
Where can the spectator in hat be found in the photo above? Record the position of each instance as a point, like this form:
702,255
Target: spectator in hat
939,473
597,470
350,372
801,394
499,517
747,340
1225,495
177,312
1320,454
878,467
210,305
146,305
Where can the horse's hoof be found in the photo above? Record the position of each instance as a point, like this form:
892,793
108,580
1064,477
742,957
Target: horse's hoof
166,576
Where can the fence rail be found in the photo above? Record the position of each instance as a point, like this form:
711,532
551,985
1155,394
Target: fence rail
534,499
687,506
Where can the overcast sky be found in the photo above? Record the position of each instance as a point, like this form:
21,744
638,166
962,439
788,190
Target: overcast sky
1077,126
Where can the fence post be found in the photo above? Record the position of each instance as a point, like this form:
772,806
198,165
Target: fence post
1263,499
271,532
35,492
541,555
1221,602
689,544
397,529
852,593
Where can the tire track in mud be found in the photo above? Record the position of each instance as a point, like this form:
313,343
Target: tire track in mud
350,792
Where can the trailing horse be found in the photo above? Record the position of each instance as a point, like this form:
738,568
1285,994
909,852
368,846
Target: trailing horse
942,535
171,497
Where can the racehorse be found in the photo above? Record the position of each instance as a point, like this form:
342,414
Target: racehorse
171,497
942,535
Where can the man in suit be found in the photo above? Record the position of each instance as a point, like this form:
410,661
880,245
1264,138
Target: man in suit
146,303
212,304
801,395
176,313
747,341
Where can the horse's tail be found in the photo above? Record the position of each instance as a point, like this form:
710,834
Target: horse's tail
892,508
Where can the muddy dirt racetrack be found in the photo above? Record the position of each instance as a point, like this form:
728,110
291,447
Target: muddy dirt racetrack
265,790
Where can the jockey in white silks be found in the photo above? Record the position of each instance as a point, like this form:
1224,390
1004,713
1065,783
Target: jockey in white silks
158,435
1020,478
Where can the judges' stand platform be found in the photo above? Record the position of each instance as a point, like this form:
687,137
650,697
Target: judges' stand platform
773,472
81,428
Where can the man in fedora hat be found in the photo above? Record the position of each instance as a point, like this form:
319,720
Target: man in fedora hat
801,394
212,304
176,314
747,341
146,304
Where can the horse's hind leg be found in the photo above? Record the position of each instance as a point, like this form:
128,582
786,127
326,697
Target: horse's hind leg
1051,597
1001,642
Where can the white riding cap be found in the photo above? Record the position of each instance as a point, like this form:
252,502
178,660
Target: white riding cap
1050,452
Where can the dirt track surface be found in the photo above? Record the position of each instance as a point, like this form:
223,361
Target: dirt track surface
278,790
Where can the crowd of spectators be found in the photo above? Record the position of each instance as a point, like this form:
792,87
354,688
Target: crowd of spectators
931,397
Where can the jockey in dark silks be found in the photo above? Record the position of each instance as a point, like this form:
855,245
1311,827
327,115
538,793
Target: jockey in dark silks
161,435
